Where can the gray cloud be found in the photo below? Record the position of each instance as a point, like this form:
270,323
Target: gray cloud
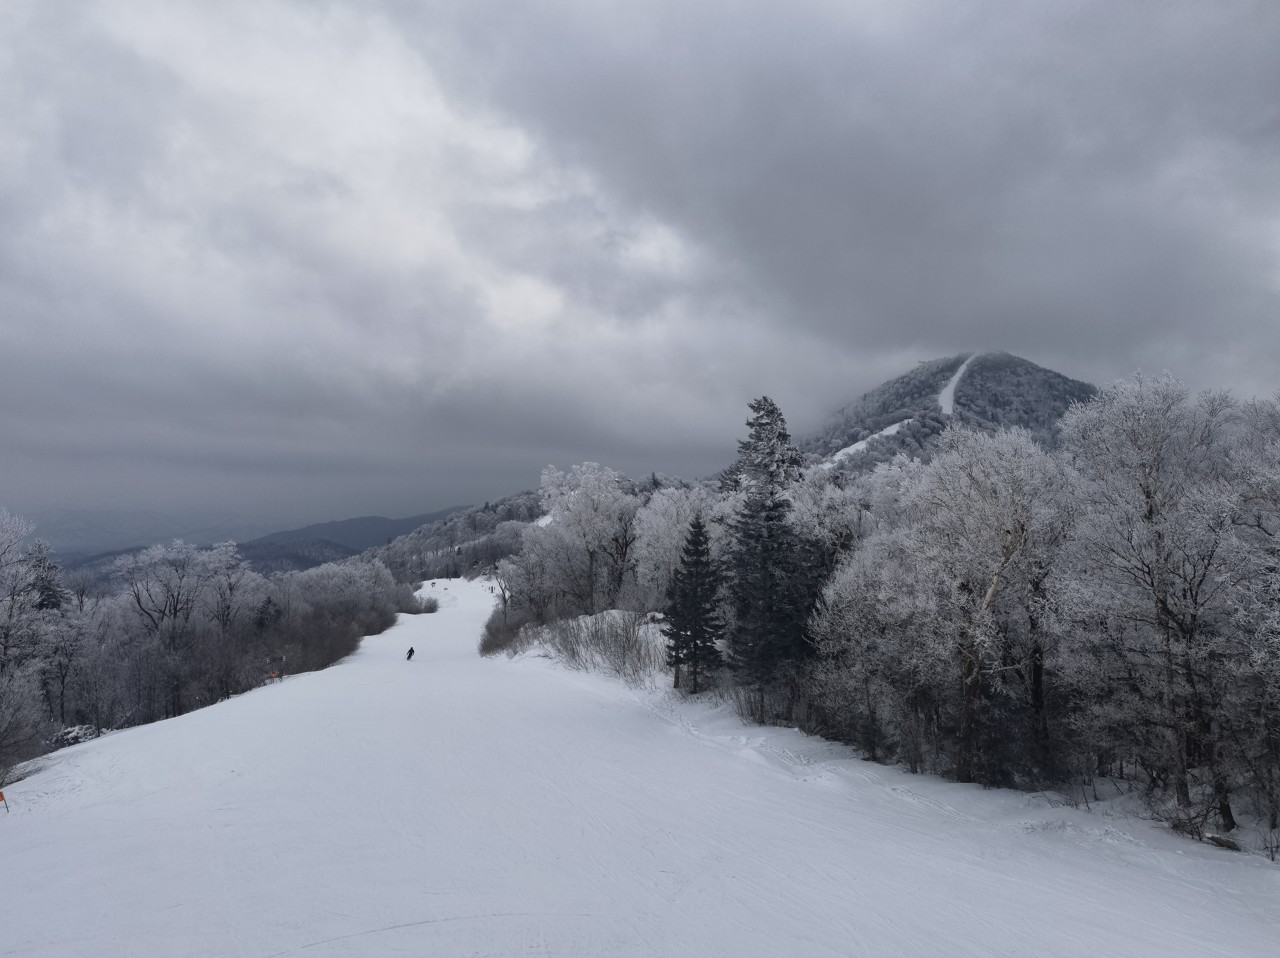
307,260
1049,177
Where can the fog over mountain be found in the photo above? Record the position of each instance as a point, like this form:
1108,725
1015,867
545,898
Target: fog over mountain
296,261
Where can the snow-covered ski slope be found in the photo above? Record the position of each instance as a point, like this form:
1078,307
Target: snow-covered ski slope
861,444
947,398
458,806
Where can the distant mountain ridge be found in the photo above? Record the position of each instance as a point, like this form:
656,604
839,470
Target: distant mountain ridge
292,555
358,534
906,414
87,532
83,538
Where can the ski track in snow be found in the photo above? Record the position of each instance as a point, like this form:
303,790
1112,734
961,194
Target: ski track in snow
455,805
947,398
861,444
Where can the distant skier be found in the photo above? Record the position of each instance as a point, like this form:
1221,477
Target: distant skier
409,657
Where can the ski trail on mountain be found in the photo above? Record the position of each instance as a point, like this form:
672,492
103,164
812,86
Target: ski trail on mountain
947,398
861,444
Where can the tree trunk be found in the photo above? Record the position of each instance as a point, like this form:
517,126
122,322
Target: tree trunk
1222,795
1175,719
1039,721
970,678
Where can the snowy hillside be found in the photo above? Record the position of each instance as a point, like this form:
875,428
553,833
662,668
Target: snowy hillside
946,403
1000,390
911,397
455,805
983,390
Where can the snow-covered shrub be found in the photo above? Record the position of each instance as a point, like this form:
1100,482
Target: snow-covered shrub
503,632
626,644
74,735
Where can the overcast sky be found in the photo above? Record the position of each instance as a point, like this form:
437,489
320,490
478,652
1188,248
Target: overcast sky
305,260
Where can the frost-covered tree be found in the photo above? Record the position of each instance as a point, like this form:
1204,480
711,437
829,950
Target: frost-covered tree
693,626
590,533
827,512
1253,679
188,626
1159,565
17,595
45,574
990,514
189,609
766,456
164,584
934,635
531,581
23,723
870,684
661,527
231,588
61,654
29,590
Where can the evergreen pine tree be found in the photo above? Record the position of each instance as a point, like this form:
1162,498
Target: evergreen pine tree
766,457
693,624
773,585
773,588
46,577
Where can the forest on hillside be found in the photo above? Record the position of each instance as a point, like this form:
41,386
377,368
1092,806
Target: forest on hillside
174,627
994,391
1002,613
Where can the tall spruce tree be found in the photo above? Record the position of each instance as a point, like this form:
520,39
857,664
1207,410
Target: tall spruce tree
693,623
45,577
772,580
766,457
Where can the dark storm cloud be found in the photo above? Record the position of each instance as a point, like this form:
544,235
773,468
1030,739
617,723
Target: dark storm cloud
1052,178
305,260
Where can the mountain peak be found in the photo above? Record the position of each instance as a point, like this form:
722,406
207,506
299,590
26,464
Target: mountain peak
987,391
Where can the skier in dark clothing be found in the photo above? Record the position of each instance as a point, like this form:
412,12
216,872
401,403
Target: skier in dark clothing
409,657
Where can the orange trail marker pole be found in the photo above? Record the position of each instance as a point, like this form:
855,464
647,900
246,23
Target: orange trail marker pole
6,803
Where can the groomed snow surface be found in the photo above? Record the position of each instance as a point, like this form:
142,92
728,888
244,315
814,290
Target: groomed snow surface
459,806
947,398
861,444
